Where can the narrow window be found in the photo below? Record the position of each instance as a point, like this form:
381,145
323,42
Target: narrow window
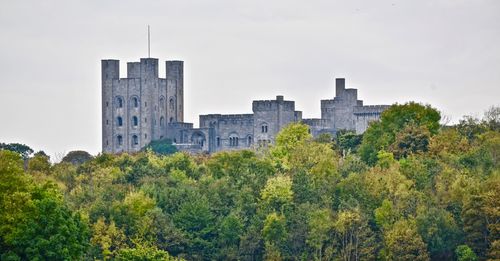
218,142
249,141
119,102
161,121
135,102
107,122
119,121
135,140
135,121
146,120
107,104
236,143
171,104
171,119
119,140
145,136
145,104
162,103
264,128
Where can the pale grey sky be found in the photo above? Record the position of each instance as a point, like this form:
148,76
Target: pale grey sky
442,52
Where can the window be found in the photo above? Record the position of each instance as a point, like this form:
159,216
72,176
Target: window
135,102
135,121
145,120
162,120
264,128
135,140
107,104
119,121
171,119
119,140
107,122
162,103
233,141
218,141
249,141
145,104
145,136
119,102
171,104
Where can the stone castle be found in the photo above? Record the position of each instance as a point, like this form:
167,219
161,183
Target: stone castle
144,107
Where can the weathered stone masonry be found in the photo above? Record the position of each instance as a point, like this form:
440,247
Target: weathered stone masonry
144,107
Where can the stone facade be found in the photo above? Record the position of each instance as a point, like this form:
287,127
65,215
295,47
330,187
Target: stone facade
144,107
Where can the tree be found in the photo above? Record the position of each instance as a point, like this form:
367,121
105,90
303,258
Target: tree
77,157
287,140
277,193
464,253
348,142
23,150
403,242
411,139
320,224
354,235
161,147
380,135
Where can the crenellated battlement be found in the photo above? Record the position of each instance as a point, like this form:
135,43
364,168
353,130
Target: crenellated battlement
370,109
315,122
273,105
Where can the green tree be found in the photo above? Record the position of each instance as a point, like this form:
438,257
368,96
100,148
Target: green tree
77,157
403,242
320,224
162,147
380,135
23,150
277,193
464,253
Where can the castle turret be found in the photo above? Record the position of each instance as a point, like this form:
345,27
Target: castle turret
110,70
339,87
175,91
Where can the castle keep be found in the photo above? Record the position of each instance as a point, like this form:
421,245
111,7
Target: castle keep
144,107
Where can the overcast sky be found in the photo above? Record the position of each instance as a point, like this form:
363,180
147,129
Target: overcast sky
442,52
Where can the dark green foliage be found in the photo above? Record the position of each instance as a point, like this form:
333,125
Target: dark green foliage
162,147
77,157
23,150
396,119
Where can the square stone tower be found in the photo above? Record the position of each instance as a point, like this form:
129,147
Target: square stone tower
137,109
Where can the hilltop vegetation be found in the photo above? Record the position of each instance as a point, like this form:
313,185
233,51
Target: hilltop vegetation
408,189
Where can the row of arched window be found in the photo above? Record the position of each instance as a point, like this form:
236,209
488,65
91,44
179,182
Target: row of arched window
134,101
135,121
134,141
234,141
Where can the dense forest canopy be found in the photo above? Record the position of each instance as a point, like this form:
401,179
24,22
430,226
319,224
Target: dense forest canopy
408,189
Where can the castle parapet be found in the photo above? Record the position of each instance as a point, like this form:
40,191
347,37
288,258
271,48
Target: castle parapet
370,109
272,105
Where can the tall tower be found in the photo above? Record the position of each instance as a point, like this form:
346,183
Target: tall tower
175,91
110,70
136,110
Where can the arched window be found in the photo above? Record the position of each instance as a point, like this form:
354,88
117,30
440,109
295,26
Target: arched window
162,120
171,119
264,128
233,140
218,141
135,102
119,140
119,102
135,121
249,141
119,121
162,103
135,140
171,104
